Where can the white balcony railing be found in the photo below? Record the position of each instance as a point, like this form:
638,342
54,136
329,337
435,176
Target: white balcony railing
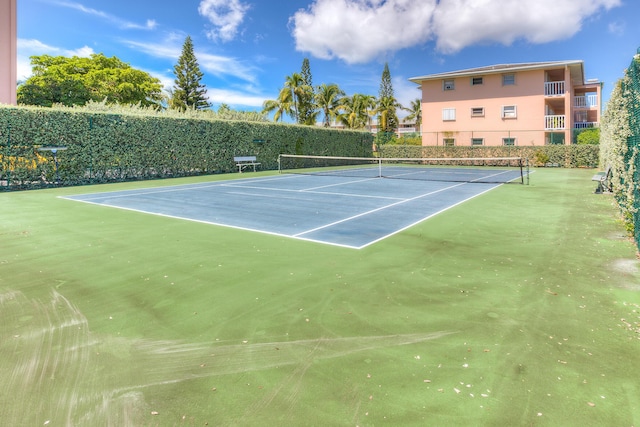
554,122
407,130
585,101
553,88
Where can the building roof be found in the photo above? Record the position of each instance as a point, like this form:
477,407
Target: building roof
576,67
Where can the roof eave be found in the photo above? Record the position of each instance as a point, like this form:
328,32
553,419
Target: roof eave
496,69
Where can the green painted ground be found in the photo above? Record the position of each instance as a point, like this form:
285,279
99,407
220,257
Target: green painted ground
520,307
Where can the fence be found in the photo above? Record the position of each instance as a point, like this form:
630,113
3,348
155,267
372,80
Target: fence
620,145
631,88
568,156
553,134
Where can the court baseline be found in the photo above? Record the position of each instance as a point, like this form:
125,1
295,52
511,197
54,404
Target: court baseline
352,213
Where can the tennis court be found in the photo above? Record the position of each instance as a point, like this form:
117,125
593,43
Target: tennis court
520,307
350,210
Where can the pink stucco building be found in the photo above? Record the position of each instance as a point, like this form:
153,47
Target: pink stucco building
8,59
511,104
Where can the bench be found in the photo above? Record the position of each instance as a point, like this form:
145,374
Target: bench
604,181
245,161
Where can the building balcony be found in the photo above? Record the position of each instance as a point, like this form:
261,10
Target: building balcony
554,88
585,101
403,130
585,125
556,122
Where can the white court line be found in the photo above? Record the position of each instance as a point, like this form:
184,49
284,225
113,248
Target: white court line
299,236
159,190
377,209
427,217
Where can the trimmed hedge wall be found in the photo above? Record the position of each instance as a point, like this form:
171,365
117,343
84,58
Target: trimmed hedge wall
568,156
104,147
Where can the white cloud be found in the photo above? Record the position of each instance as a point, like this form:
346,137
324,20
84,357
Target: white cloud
232,97
617,28
461,23
405,92
225,15
214,64
121,23
360,30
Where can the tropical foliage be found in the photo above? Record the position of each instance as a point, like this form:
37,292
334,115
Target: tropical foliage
327,99
415,113
304,103
78,80
589,136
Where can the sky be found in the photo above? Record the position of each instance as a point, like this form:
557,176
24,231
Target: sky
246,48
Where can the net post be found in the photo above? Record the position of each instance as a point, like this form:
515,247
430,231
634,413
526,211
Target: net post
379,167
279,163
521,174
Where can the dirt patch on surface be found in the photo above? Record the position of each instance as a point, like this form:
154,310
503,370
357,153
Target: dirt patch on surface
631,269
627,266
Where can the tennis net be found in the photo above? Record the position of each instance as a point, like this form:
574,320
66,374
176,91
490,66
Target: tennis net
482,170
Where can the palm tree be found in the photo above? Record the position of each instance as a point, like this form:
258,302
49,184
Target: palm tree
328,98
282,106
415,113
387,118
369,103
296,85
356,109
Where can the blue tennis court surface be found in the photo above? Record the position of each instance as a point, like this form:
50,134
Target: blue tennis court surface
348,212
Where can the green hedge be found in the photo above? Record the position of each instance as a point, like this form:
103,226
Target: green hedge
104,146
569,156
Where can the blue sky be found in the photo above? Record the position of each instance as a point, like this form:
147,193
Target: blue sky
246,48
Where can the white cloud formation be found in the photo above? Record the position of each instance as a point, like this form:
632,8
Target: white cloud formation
617,28
461,23
214,64
225,15
121,23
360,30
233,97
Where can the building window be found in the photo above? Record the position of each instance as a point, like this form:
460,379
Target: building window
448,114
476,81
449,142
477,141
508,141
508,79
477,112
448,85
509,112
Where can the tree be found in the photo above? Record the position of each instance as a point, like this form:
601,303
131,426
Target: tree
415,113
355,111
308,112
328,97
282,106
296,85
387,104
78,80
188,92
589,137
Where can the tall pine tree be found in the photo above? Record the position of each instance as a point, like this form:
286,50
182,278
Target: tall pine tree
307,109
387,103
188,92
